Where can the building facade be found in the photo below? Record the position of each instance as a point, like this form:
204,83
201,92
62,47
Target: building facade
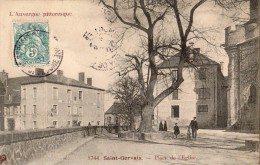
242,47
118,115
51,102
202,94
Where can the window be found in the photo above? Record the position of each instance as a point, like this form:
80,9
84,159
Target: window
203,108
24,109
34,109
109,119
80,110
202,73
34,92
34,124
54,110
175,94
174,75
55,93
69,110
24,93
204,93
117,120
175,111
75,110
69,94
80,95
55,124
15,110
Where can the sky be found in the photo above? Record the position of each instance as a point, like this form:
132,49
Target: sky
84,16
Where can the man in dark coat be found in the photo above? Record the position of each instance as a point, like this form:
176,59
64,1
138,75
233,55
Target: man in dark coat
165,126
176,130
160,126
194,127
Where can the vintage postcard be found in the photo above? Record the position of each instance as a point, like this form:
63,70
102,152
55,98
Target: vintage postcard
129,82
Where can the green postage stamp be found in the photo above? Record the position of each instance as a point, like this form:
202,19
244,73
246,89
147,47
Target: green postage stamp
31,43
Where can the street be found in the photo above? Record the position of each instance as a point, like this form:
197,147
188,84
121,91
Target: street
102,151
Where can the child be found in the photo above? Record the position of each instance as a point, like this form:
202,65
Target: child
188,133
176,130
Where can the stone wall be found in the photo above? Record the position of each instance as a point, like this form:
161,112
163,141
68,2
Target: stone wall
21,147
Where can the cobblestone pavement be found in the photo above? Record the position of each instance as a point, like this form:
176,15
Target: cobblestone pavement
102,151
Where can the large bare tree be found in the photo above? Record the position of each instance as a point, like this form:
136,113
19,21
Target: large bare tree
164,27
148,18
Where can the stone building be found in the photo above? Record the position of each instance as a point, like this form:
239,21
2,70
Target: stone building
52,101
118,115
202,94
242,47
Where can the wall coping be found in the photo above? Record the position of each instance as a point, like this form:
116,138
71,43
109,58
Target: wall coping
9,137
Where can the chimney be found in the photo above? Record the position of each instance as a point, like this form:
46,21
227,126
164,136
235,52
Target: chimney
89,81
82,77
39,72
59,74
254,10
221,66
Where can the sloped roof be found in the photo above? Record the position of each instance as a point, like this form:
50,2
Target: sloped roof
58,80
14,85
118,108
198,60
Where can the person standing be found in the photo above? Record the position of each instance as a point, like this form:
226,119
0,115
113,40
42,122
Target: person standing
194,127
160,126
165,126
176,130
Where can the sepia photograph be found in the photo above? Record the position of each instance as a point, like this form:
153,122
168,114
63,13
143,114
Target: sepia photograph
129,82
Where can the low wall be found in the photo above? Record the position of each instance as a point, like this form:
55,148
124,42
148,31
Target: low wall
23,146
146,136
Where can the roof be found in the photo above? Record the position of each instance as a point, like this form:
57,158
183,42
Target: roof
118,108
58,80
14,85
198,60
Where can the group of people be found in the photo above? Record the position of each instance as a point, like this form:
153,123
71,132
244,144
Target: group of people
163,126
193,126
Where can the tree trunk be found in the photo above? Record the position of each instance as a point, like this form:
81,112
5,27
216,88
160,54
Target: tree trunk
132,122
146,122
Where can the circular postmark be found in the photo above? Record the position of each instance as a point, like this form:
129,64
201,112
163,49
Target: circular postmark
33,55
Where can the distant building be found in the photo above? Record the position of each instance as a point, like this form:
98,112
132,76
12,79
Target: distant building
52,101
242,47
202,94
118,115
